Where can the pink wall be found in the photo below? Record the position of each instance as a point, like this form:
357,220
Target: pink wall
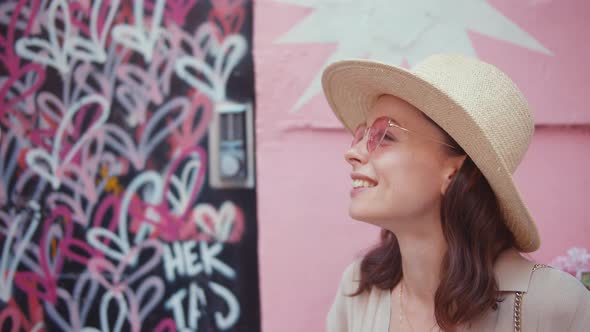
306,237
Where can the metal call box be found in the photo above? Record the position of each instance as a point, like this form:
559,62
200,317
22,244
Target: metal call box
231,146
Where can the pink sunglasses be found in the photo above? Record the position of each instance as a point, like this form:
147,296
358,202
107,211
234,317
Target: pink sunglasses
378,131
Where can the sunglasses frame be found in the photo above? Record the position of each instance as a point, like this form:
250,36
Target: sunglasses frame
391,123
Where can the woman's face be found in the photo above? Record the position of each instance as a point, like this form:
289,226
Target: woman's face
404,177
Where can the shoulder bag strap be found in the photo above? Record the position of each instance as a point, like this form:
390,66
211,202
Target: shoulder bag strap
518,303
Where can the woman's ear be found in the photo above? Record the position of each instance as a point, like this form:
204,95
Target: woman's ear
450,170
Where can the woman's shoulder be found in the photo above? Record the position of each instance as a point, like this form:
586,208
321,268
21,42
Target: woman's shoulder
351,276
549,281
557,299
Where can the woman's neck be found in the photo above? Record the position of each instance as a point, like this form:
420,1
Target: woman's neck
422,252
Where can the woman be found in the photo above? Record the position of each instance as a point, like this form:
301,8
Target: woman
432,159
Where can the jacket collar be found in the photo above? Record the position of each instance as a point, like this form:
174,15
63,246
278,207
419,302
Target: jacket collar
513,272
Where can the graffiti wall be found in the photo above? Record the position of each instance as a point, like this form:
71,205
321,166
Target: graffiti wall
127,197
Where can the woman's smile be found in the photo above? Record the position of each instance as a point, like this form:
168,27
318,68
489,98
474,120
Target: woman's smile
361,183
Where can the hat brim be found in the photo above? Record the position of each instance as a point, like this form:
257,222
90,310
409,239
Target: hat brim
352,87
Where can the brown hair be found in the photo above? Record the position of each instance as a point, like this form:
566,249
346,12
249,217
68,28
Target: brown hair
475,232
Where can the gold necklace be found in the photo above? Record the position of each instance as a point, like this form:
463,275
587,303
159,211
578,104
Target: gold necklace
401,310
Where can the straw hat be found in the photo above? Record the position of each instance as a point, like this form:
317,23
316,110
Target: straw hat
473,101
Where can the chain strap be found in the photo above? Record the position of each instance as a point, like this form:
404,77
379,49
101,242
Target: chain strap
518,303
517,311
539,266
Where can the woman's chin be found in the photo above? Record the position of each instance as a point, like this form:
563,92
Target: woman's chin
362,214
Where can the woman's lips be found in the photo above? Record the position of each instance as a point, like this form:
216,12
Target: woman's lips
361,183
356,191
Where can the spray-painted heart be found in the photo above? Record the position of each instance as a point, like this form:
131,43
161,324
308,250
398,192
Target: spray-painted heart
53,52
138,37
20,86
42,281
225,225
51,166
112,278
212,81
229,19
101,18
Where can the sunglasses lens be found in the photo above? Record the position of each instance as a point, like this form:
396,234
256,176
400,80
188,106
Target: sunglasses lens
358,135
376,133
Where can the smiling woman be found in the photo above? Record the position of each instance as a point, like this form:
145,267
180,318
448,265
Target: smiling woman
432,157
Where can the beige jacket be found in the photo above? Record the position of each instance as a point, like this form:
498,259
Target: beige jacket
552,300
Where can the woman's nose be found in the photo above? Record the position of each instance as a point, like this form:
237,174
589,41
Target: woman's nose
357,153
